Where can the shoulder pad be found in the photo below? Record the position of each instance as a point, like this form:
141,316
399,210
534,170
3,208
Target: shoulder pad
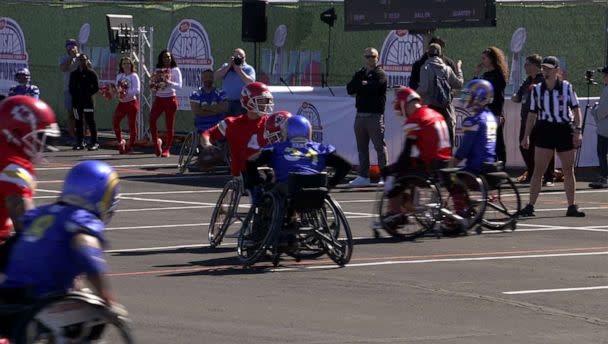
18,175
82,221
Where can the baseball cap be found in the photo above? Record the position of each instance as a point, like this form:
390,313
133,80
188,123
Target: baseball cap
603,70
550,62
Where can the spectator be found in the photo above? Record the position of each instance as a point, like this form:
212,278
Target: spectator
556,117
415,76
23,87
209,104
369,86
167,79
532,67
494,64
127,89
600,114
68,64
83,85
437,80
235,74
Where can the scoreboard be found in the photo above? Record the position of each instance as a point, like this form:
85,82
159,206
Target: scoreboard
417,15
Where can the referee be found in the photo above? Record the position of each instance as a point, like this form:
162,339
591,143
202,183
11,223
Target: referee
556,117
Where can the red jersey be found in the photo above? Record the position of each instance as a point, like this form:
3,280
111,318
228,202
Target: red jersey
245,138
430,130
17,178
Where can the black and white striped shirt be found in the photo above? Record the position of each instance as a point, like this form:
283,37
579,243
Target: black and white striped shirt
553,106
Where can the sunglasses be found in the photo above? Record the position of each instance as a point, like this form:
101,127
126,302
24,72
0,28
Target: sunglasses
369,56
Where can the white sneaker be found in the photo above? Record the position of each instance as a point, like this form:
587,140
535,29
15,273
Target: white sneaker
381,182
359,182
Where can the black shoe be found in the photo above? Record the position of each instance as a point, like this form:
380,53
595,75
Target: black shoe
527,211
394,221
573,211
78,147
93,147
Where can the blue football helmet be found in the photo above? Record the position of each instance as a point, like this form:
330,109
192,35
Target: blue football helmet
477,94
92,185
297,127
23,71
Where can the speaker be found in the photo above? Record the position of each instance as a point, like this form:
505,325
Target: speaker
255,22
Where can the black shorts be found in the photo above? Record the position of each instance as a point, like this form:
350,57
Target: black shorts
557,136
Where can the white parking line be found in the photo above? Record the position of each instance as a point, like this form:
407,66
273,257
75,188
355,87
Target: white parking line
446,260
115,166
165,200
537,291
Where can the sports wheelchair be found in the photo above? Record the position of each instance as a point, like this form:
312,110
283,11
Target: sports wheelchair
190,149
448,201
74,317
303,222
226,213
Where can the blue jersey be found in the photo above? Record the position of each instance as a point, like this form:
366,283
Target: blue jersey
43,256
301,157
479,141
25,90
212,98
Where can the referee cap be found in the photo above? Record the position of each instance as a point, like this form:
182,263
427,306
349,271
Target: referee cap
603,70
550,62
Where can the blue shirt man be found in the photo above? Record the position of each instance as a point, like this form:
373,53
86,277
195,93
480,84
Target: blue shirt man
25,90
235,74
45,255
479,141
208,105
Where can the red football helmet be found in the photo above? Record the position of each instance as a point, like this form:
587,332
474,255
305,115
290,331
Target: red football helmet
404,95
273,127
26,122
256,97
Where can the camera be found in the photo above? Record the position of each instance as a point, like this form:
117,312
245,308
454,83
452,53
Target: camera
589,76
237,60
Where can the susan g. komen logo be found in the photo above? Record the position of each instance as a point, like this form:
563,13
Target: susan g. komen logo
312,115
13,53
399,52
189,44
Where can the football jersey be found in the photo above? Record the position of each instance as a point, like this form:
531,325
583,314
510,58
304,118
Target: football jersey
303,157
245,137
43,256
430,130
479,141
27,90
214,97
17,178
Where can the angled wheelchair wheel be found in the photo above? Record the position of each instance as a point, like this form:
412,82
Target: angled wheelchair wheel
260,226
309,245
224,213
503,204
337,244
187,151
475,200
418,201
72,318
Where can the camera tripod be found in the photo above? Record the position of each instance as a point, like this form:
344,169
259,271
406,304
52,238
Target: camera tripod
590,81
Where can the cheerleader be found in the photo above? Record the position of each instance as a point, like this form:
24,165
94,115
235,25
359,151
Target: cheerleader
166,80
126,89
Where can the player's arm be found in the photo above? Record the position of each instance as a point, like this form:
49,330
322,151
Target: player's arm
16,206
215,133
341,166
90,260
259,159
469,140
402,163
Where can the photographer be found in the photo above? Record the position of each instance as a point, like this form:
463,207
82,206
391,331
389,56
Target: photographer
67,64
235,74
600,114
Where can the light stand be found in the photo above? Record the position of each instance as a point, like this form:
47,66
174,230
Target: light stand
328,17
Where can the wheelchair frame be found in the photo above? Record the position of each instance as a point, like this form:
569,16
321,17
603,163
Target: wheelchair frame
190,148
59,312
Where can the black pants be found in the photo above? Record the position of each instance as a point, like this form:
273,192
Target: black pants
528,154
501,151
81,115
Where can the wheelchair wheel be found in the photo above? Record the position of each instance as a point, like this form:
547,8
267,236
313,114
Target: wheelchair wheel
475,201
223,215
419,204
337,244
262,224
187,151
72,318
503,205
309,245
